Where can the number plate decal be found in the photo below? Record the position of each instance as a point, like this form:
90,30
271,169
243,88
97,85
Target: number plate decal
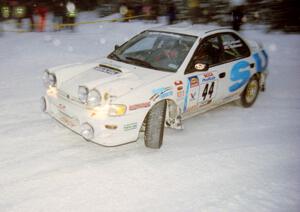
208,88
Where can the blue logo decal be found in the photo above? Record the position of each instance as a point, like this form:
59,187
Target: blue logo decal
162,92
258,61
240,74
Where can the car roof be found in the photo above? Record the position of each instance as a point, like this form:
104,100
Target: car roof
194,30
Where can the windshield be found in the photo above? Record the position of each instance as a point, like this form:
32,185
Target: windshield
156,50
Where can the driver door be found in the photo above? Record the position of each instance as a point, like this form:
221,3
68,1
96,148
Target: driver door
202,76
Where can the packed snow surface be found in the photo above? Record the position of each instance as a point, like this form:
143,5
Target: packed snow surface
228,159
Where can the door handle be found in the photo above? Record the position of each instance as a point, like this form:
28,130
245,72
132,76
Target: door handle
222,75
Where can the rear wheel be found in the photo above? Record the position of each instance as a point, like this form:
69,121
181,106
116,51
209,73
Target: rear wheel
155,125
250,93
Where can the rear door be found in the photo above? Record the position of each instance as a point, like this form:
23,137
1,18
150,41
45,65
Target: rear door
236,64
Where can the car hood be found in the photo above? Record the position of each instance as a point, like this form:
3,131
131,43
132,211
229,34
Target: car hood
113,77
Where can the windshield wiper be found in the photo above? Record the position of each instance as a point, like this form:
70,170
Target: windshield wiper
141,62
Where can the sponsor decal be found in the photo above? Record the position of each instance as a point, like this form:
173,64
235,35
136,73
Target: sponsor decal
67,121
194,81
161,93
180,92
196,107
232,44
179,82
140,105
192,93
180,95
208,77
199,66
107,70
130,126
179,89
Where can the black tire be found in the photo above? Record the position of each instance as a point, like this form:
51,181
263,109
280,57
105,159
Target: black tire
250,93
155,125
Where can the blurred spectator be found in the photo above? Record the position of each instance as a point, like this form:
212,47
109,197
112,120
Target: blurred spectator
123,10
193,6
58,13
171,12
126,9
155,9
41,11
19,12
237,17
4,14
107,7
30,14
138,8
5,10
147,11
70,14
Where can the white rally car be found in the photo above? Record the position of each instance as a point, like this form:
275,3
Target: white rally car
155,80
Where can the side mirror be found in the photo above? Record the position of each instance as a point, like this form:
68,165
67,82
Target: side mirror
200,66
116,47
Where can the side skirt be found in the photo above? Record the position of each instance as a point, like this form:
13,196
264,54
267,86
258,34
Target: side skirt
210,107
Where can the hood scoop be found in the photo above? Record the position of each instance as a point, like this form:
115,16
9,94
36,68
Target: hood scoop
107,69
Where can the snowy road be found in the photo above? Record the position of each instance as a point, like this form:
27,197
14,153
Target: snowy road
229,159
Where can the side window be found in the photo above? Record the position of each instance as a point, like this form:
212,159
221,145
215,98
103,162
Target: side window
233,47
208,52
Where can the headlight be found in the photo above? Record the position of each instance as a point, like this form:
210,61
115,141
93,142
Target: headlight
83,94
49,79
94,98
117,110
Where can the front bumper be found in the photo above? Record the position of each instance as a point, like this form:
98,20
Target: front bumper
107,131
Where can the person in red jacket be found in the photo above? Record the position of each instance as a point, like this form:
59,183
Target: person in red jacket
41,11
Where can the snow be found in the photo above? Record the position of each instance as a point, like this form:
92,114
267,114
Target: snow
228,159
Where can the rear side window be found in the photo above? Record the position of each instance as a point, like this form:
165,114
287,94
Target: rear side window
233,47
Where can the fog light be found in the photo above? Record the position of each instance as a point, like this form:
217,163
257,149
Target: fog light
87,131
43,104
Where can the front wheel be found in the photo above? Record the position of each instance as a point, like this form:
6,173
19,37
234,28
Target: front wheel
250,93
155,125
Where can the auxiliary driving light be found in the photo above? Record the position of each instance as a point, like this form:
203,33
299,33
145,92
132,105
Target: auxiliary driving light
87,131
